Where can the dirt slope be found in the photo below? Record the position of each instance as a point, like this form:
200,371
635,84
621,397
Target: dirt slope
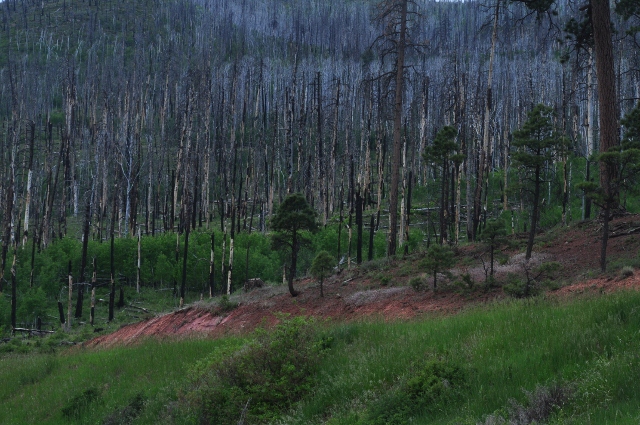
356,295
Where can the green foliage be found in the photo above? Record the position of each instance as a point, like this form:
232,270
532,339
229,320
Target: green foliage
322,265
127,414
625,159
33,304
292,216
78,404
264,379
493,231
577,360
532,280
417,283
626,271
438,260
292,219
226,305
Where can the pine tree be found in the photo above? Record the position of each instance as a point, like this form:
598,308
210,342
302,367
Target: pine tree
322,267
536,143
293,217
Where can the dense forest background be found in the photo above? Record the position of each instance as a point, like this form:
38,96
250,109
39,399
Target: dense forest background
155,118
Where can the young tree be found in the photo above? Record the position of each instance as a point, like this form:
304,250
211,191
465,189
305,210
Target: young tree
293,217
598,20
492,233
625,159
536,144
441,154
322,267
438,260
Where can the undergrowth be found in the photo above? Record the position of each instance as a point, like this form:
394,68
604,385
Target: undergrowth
513,362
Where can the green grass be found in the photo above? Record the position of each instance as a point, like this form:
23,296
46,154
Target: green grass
37,387
588,347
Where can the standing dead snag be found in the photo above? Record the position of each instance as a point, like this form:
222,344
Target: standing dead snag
395,42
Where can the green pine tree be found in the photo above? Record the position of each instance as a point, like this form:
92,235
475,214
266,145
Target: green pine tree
322,267
536,142
292,219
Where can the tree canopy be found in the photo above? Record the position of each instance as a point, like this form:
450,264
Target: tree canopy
292,218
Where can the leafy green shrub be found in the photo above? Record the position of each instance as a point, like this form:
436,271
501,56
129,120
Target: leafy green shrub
33,304
78,404
225,304
519,288
533,281
128,414
418,284
261,380
466,282
627,271
384,280
434,387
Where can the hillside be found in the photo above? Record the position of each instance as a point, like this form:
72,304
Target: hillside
380,290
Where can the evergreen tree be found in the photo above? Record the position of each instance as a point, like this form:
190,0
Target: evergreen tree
536,143
438,260
625,159
441,154
492,234
293,217
321,267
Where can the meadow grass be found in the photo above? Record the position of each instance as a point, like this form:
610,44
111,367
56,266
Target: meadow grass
37,387
589,347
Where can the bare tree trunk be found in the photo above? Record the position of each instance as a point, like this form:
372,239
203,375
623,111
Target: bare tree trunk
359,226
138,263
334,149
94,279
397,135
601,20
69,299
27,202
212,265
7,228
185,255
14,285
83,259
112,293
586,201
484,151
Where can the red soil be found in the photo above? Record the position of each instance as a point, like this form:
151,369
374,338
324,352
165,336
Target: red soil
360,297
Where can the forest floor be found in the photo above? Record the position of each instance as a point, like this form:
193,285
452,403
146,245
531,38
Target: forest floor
380,289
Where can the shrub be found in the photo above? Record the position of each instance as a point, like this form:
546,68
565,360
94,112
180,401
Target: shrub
534,279
261,380
627,271
78,404
225,304
128,414
434,387
418,284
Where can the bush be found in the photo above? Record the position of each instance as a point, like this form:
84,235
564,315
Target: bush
225,304
534,279
418,284
261,380
434,387
33,304
627,271
78,404
128,414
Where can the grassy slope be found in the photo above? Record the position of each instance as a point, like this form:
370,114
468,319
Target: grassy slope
590,346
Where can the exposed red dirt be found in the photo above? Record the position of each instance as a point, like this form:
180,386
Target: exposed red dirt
355,297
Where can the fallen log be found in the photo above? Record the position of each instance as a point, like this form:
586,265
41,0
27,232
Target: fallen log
32,331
